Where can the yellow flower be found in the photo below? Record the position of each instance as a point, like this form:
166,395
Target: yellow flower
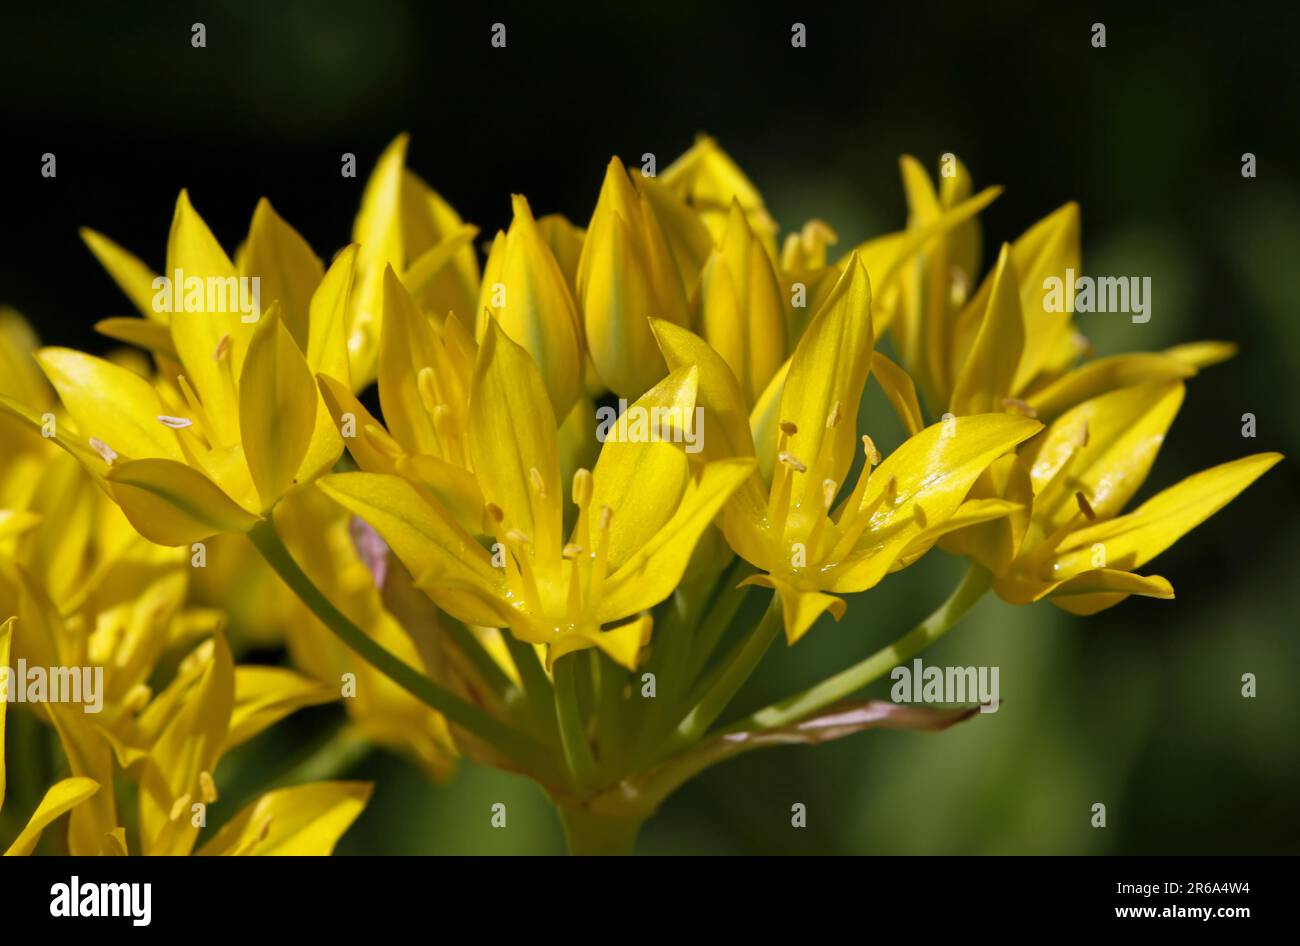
1002,347
214,446
1076,549
61,798
638,517
791,526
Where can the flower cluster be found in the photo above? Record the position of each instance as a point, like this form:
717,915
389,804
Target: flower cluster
471,567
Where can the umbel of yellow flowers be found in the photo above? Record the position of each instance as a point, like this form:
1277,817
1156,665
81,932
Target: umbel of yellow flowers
514,590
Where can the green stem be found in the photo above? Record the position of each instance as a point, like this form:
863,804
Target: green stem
590,833
964,597
730,676
573,730
509,742
536,685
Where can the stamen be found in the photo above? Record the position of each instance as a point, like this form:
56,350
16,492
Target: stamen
835,416
426,383
861,518
870,451
138,697
207,788
1016,406
535,480
518,544
222,349
789,428
919,515
178,807
175,423
793,462
572,553
829,489
444,425
1085,507
104,450
582,488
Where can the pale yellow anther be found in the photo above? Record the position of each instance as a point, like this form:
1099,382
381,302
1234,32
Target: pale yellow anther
428,389
175,423
790,460
138,697
835,416
518,538
891,490
606,517
1017,406
870,451
829,489
207,788
581,487
104,450
178,807
572,551
222,349
535,480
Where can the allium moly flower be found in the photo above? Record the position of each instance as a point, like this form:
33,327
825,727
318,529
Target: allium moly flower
213,446
1071,543
1000,346
810,544
62,797
638,515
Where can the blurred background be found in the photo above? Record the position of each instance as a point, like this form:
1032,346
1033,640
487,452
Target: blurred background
1139,708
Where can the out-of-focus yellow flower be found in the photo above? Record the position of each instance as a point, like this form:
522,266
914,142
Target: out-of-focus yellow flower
710,182
405,224
792,527
639,515
1001,347
61,798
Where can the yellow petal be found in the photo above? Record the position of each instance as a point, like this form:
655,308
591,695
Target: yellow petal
652,572
189,745
525,290
197,333
302,821
327,345
115,406
351,418
277,409
934,471
742,311
827,374
988,374
1101,588
172,504
1202,354
378,233
428,221
898,387
1132,540
410,343
725,412
132,276
512,434
288,269
621,644
62,797
443,557
995,544
1123,431
1106,374
800,609
265,695
151,336
640,476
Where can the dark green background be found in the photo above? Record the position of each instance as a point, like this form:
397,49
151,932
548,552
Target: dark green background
1139,708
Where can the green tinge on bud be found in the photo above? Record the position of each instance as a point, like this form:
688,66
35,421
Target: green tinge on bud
627,274
742,312
526,291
